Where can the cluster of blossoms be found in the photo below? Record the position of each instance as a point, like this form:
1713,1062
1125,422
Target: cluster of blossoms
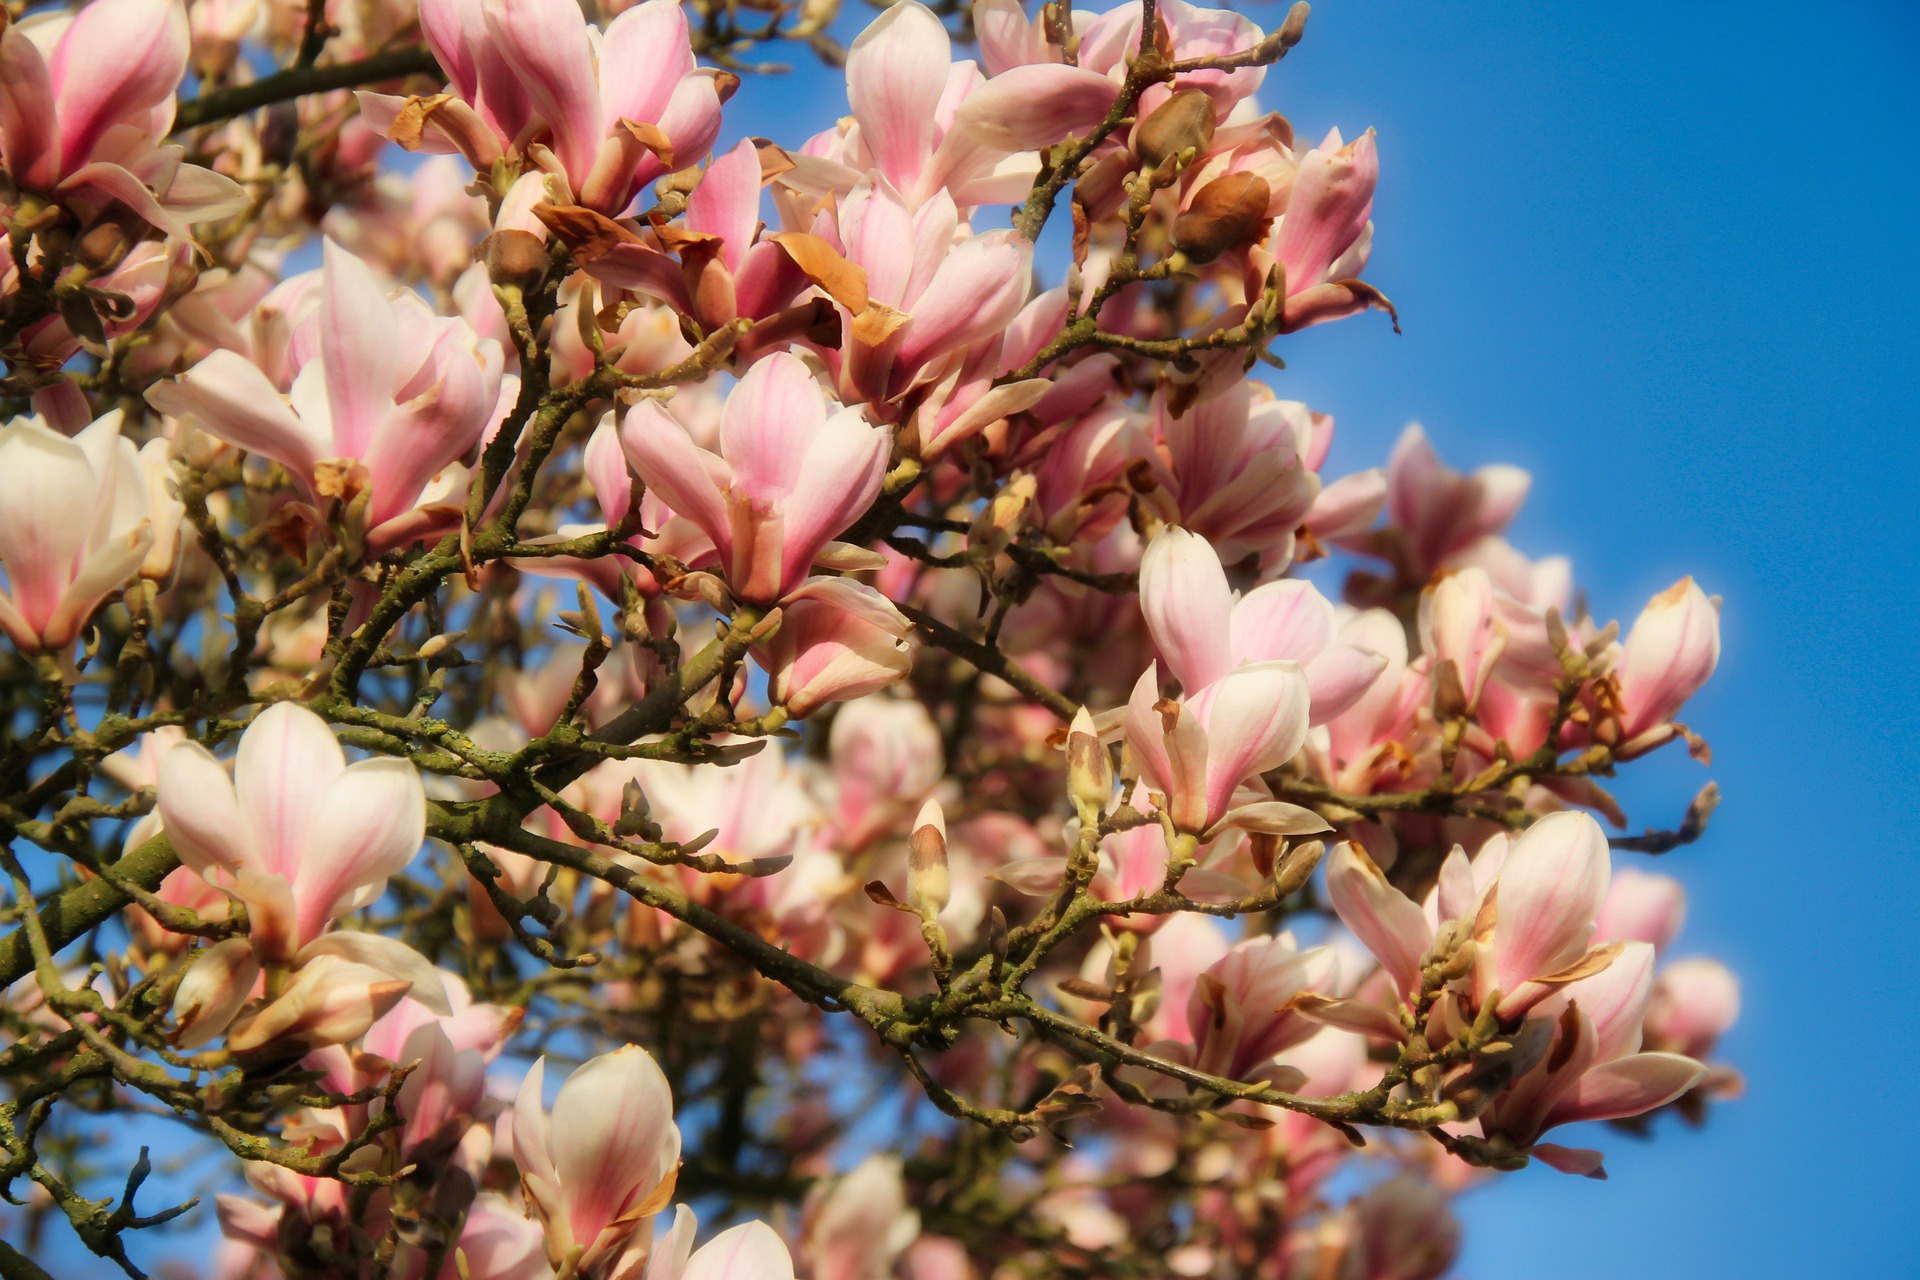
734,620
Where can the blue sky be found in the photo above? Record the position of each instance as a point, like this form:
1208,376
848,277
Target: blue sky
1663,256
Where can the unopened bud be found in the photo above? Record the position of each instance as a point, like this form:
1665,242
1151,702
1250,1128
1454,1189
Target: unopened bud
929,885
1182,121
103,246
1089,767
1228,213
516,259
1296,868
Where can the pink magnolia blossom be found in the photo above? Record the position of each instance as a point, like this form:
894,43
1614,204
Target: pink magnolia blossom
907,101
1237,472
76,525
1642,906
1584,1077
386,398
599,1167
930,293
1441,511
604,112
788,478
838,639
1694,1002
86,97
1460,624
1035,98
1241,1011
1200,751
886,756
1672,649
260,834
750,1251
857,1226
1533,921
1202,632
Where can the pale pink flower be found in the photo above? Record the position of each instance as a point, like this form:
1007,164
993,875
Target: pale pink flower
1241,1013
1203,632
1441,511
85,98
931,292
1460,623
750,1251
606,112
787,480
1040,99
838,639
1235,471
885,755
1198,752
1642,906
859,1224
386,397
1672,649
75,526
1694,1002
907,101
297,834
599,1167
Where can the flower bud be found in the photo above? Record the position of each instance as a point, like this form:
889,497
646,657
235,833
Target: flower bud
212,991
1182,121
1228,213
1089,767
517,259
929,886
1672,649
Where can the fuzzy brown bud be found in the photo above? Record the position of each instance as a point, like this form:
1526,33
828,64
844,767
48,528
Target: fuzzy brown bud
516,259
1228,213
1182,121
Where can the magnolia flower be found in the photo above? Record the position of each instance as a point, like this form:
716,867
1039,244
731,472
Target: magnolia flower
599,1167
1197,752
838,639
76,524
1694,1002
297,834
928,293
750,1251
1203,632
386,399
1442,512
907,102
1672,649
858,1225
1036,98
885,754
1238,470
1242,1012
787,480
1532,924
605,112
85,98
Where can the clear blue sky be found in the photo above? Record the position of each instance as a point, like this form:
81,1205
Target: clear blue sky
1663,255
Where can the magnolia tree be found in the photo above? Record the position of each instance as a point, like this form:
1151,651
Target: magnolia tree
621,701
